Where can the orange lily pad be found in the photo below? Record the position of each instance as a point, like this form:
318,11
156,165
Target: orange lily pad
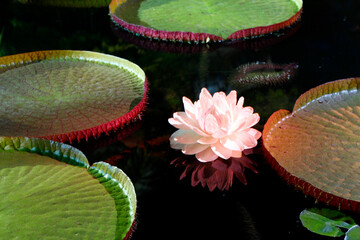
316,147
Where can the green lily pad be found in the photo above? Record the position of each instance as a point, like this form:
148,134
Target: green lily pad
49,191
326,222
204,20
353,233
316,146
67,95
68,3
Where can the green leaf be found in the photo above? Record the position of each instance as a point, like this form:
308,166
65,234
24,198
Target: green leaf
353,233
217,18
318,142
67,95
43,197
326,222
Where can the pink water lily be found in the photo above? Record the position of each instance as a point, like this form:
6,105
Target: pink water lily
214,126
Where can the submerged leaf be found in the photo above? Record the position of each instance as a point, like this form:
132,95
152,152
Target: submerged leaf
44,197
326,222
67,95
317,146
204,21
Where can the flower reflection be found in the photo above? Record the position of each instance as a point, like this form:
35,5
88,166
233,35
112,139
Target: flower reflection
216,174
215,126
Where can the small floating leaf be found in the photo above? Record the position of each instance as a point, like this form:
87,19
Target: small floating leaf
204,21
41,196
326,222
67,95
316,147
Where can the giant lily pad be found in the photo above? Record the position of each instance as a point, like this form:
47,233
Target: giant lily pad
204,20
317,147
67,95
69,3
49,191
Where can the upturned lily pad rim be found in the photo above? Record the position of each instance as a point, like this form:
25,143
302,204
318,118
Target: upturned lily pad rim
17,60
282,114
190,37
72,156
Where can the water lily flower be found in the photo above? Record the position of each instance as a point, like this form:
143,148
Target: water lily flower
214,126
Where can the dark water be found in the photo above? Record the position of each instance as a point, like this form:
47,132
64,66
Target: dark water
324,47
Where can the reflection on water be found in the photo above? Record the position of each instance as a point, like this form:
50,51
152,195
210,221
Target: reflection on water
216,174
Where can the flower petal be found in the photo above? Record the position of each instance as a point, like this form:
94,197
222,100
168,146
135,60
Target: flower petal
255,133
220,103
207,155
185,136
189,107
231,98
205,95
231,142
246,122
211,124
237,154
190,149
205,100
207,140
178,124
240,103
221,151
246,139
176,145
189,123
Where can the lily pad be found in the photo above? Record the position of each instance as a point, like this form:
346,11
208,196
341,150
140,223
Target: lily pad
68,3
204,20
326,222
48,190
67,95
316,147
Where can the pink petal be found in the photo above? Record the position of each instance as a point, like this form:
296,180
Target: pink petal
220,102
205,95
244,123
189,107
231,98
211,124
221,151
178,124
191,149
207,140
255,133
205,100
189,123
185,136
206,156
237,154
240,103
246,139
231,142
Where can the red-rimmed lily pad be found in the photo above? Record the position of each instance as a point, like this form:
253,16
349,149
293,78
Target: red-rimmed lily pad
49,191
204,20
316,147
69,3
66,95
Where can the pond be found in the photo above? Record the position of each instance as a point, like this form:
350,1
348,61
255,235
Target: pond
323,47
